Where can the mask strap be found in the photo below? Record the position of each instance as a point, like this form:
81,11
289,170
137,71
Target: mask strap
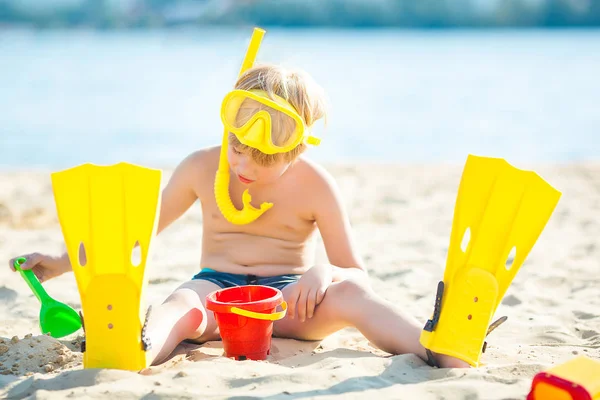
315,141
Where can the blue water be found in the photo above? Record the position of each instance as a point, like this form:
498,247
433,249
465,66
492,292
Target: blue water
69,97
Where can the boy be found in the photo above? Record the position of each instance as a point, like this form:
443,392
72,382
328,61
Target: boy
276,249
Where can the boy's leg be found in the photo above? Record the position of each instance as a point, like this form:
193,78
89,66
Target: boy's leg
181,316
352,303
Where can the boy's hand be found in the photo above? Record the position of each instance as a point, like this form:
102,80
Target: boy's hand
43,266
309,292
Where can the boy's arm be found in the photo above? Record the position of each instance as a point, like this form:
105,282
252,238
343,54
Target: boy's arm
179,193
334,226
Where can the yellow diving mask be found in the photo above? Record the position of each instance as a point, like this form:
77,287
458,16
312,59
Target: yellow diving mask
248,115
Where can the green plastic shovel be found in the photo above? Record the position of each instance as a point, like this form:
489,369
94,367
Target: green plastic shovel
56,318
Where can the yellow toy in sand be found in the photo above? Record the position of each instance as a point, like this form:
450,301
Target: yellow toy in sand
499,214
576,379
255,132
104,213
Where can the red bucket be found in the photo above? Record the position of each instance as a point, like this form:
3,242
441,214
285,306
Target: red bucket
245,316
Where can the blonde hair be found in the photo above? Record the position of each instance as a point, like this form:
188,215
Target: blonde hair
298,89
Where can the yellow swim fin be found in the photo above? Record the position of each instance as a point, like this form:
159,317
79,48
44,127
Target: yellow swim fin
104,212
500,212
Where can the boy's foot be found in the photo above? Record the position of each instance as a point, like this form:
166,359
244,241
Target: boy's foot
445,361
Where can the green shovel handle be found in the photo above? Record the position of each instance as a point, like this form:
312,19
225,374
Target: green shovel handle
32,280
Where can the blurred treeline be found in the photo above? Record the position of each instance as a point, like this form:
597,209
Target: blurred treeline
108,14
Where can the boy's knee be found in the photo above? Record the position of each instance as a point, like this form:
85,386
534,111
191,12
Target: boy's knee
193,316
186,298
352,287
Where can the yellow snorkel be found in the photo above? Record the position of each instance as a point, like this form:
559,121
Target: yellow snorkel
255,132
248,213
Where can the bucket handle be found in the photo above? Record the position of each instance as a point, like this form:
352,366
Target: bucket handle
268,317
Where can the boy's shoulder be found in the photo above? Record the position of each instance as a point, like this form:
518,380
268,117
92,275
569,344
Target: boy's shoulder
198,167
204,157
202,161
315,175
323,196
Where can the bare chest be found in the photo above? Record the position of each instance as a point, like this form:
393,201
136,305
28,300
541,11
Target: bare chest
290,218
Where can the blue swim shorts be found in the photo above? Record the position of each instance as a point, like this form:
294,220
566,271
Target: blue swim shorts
226,280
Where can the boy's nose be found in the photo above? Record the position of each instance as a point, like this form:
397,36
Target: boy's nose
240,168
245,163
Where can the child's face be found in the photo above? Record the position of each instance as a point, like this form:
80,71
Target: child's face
247,171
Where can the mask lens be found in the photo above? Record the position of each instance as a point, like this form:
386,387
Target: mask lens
241,110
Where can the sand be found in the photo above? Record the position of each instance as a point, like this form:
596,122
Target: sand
402,223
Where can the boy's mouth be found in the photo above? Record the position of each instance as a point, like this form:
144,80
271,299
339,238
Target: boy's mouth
245,180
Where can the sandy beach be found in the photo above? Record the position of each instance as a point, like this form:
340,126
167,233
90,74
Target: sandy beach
402,218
